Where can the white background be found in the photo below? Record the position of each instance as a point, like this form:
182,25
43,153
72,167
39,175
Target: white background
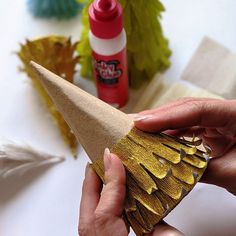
45,202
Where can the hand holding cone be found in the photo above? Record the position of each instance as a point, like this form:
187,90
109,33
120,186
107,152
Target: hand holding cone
161,170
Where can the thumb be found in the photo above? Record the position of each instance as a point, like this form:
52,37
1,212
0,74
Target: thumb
113,194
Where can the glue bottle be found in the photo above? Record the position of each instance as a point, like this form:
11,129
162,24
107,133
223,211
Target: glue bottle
108,42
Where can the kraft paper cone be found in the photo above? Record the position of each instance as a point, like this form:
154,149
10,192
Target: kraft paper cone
160,170
95,124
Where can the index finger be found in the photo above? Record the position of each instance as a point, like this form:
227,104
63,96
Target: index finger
189,112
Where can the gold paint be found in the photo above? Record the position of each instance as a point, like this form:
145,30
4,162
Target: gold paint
137,228
183,173
196,161
56,53
150,218
130,202
135,169
168,202
152,203
170,186
160,171
153,143
142,221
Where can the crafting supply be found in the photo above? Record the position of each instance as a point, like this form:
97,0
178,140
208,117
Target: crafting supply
213,67
160,92
59,9
147,47
108,42
56,53
161,170
17,159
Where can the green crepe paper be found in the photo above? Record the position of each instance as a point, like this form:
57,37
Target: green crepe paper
148,51
84,49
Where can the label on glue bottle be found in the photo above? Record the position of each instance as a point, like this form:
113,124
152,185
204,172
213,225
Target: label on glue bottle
111,78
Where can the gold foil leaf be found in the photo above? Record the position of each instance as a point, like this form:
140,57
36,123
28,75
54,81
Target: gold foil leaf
197,161
183,173
160,171
152,203
56,53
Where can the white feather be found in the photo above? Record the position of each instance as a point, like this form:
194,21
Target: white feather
17,159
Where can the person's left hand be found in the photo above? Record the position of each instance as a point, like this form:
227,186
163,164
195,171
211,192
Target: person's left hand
101,207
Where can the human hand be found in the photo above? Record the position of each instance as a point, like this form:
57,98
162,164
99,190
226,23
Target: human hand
212,120
101,207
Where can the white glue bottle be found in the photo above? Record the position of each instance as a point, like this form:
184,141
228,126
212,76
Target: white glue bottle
108,42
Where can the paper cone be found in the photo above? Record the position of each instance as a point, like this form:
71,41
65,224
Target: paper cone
95,124
160,170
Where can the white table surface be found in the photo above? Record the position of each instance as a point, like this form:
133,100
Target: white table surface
45,202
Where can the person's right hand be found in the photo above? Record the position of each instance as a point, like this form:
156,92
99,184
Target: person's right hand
214,121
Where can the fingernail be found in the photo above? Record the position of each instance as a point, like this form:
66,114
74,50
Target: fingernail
87,168
140,117
107,159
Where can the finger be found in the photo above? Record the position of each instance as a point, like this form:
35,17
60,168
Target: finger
163,229
212,133
188,132
222,171
169,106
188,113
92,186
113,194
219,145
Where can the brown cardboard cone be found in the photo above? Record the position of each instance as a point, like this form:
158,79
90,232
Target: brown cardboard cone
160,169
95,124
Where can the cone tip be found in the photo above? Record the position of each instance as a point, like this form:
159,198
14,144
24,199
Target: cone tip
43,74
34,65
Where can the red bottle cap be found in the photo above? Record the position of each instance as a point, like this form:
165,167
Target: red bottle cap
106,19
